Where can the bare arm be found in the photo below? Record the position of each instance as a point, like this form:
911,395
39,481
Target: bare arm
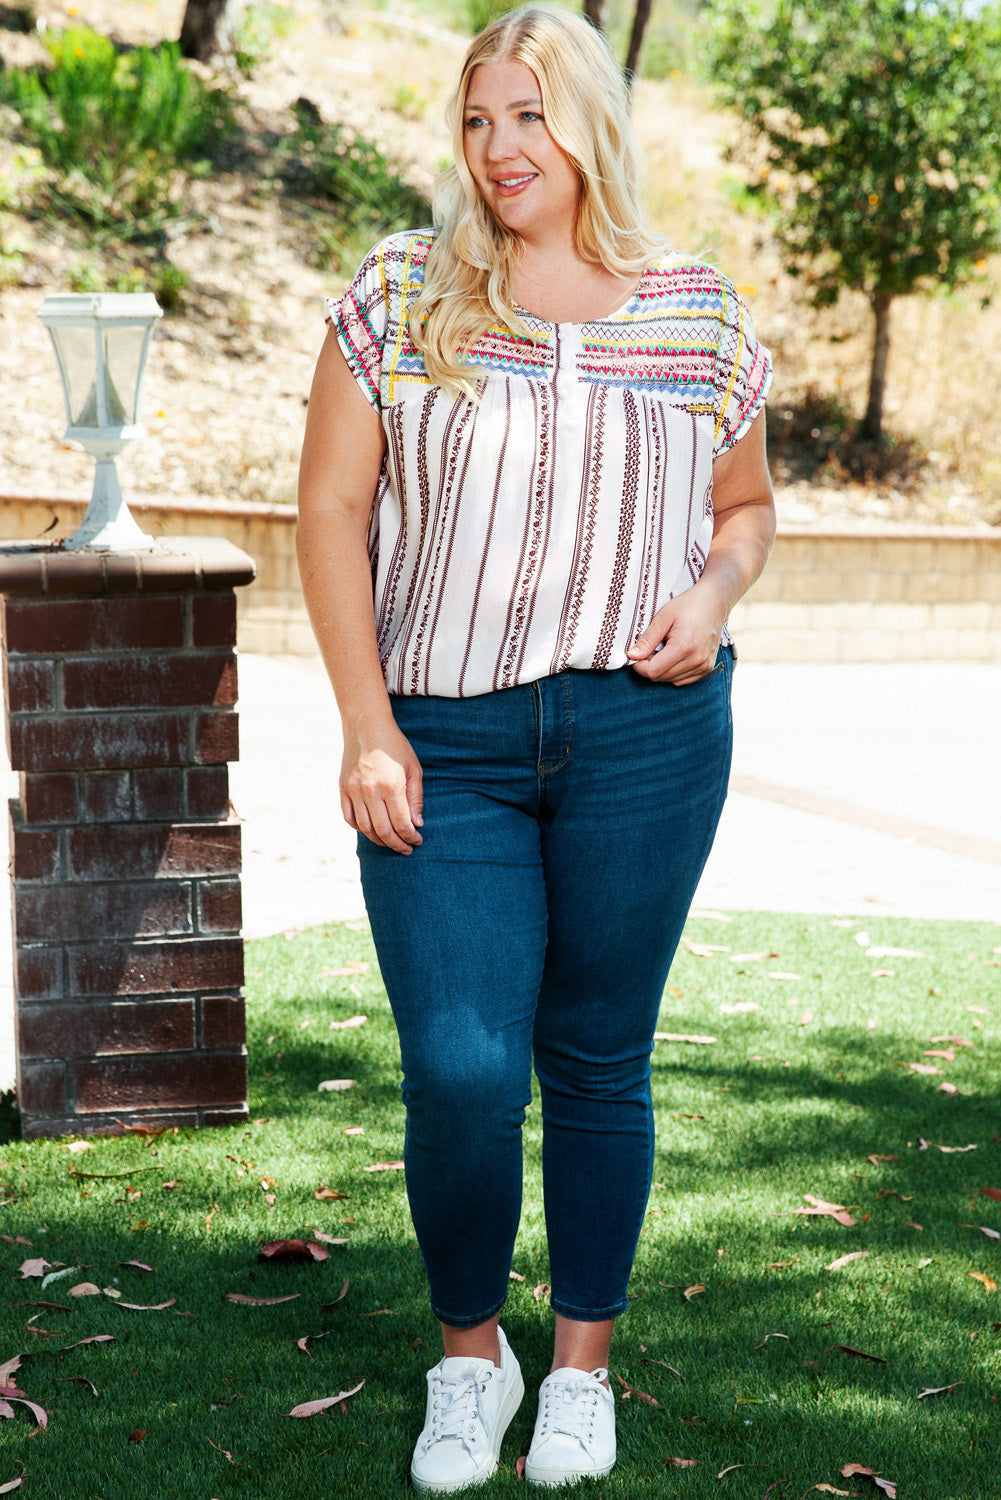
338,474
691,625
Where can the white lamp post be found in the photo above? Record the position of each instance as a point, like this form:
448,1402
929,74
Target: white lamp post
101,342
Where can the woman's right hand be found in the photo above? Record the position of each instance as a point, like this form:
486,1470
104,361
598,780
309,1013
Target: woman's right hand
382,787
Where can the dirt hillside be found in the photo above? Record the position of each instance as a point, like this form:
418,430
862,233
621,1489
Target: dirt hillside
229,372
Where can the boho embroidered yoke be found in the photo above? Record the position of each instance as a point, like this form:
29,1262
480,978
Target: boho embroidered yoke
543,528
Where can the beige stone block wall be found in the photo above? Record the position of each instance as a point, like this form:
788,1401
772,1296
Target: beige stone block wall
859,594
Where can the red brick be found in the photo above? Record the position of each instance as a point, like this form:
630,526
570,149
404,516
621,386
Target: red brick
105,797
93,742
224,1021
38,973
171,1081
158,795
219,906
101,1029
208,791
31,686
36,854
186,964
145,851
49,799
217,738
43,627
41,1088
86,910
213,620
144,681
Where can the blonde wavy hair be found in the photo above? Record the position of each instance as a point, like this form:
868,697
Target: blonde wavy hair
469,268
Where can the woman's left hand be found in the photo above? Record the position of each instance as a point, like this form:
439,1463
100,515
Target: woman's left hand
690,628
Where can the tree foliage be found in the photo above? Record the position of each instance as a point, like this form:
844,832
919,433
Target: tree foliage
875,128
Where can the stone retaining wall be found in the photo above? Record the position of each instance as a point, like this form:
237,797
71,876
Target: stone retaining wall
846,594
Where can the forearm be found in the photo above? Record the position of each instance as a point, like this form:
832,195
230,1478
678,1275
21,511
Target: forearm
337,585
742,541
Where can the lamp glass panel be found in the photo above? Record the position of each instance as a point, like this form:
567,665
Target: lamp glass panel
76,351
122,350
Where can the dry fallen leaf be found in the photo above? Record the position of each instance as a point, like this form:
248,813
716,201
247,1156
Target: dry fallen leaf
768,1336
954,1150
939,1390
37,1267
739,1006
821,1206
326,1193
349,1025
878,1157
292,1250
353,1130
79,1380
385,1166
886,1485
515,1276
38,1412
704,950
7,1370
95,1338
335,1085
245,1301
947,1088
694,1290
927,1068
137,1435
11,1485
945,1052
353,966
630,1390
85,1289
829,1489
681,1463
146,1307
989,1284
855,1353
678,1036
311,1408
843,1260
541,1292
326,1239
992,1234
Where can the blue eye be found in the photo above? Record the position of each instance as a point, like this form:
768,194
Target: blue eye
531,116
473,122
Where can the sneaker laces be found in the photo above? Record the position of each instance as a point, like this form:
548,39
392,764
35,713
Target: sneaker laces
570,1406
455,1406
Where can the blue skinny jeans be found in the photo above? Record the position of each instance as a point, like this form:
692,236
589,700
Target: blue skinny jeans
566,824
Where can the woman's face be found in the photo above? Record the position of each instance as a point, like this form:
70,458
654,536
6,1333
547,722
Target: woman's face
526,179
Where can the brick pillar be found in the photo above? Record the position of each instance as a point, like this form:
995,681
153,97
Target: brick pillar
121,684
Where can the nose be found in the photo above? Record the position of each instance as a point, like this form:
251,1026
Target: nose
501,145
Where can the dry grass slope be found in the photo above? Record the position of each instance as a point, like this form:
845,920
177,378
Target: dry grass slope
230,371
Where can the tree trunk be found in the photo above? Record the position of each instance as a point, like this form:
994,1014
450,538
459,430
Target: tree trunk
872,425
594,10
641,16
208,29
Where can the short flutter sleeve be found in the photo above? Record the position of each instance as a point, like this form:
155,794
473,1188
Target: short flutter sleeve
360,320
743,372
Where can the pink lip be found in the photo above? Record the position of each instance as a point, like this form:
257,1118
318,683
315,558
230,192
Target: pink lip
509,187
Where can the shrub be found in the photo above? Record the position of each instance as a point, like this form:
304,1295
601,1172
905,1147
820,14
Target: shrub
258,29
116,129
351,173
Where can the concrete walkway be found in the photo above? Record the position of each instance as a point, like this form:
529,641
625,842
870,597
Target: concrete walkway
856,790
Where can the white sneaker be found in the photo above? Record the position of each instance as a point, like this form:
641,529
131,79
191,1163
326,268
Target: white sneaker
575,1430
470,1406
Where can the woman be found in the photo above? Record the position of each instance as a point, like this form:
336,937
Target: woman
533,485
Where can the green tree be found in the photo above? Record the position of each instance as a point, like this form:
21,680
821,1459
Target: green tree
874,126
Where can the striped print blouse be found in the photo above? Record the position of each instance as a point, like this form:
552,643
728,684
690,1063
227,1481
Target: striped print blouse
542,529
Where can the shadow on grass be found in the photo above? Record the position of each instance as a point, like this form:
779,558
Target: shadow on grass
745,1368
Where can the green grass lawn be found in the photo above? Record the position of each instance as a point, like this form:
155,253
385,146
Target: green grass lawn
736,1315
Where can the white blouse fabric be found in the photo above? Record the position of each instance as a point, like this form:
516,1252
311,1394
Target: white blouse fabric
542,529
